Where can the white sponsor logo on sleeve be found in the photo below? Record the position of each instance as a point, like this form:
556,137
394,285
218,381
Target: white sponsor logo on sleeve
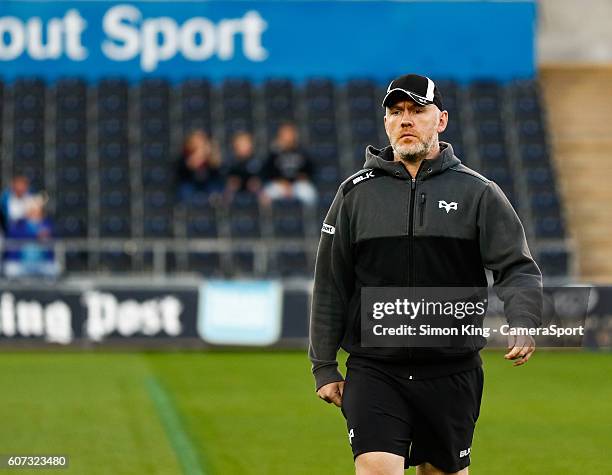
328,228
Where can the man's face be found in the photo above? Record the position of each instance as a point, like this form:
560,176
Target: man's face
413,129
243,145
20,185
287,137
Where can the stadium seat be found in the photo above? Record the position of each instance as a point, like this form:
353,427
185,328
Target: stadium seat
287,218
279,100
156,176
28,98
195,104
115,225
76,261
545,203
540,179
243,263
201,218
490,131
115,261
549,227
493,154
117,200
71,176
70,226
71,98
289,263
207,264
554,262
157,225
534,155
244,216
319,99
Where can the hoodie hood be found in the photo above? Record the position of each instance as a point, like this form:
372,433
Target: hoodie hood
383,159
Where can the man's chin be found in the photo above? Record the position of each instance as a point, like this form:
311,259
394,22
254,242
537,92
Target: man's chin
410,154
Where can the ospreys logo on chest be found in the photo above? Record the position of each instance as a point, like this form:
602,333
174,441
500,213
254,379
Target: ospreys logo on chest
447,206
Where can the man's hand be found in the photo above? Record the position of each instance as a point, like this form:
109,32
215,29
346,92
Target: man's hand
332,392
520,349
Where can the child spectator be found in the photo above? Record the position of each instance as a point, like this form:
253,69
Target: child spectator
32,257
243,174
288,168
13,201
198,168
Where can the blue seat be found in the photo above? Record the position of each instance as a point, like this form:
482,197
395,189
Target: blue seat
70,226
158,177
531,131
70,152
28,98
205,263
71,98
540,179
289,263
549,227
534,155
554,262
288,218
157,225
70,177
545,203
117,200
195,104
112,98
493,154
243,262
322,130
115,225
76,261
115,261
29,129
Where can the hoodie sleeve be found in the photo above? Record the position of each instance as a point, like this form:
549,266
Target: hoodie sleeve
504,250
333,285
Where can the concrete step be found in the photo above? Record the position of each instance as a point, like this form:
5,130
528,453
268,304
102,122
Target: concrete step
579,118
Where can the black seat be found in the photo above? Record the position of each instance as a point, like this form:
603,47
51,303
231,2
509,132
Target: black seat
288,218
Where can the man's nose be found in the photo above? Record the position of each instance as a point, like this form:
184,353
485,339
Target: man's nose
407,119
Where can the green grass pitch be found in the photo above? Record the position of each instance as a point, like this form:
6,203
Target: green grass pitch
257,413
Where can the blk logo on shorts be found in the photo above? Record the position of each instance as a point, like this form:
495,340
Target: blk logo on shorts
351,434
447,206
465,452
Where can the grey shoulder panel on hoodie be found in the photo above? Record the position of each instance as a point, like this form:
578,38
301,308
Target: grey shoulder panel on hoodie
461,168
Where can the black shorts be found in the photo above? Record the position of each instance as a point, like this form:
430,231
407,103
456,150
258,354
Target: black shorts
423,420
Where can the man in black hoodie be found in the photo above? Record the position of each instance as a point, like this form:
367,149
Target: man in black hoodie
414,217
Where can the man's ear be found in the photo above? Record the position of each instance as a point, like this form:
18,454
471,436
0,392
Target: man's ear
385,123
443,122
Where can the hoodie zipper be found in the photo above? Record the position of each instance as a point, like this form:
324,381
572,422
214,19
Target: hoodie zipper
411,234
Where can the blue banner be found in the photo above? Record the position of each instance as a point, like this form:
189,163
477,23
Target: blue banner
260,39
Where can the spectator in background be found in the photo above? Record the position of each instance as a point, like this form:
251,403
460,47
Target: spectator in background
13,201
198,169
243,174
33,257
288,169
